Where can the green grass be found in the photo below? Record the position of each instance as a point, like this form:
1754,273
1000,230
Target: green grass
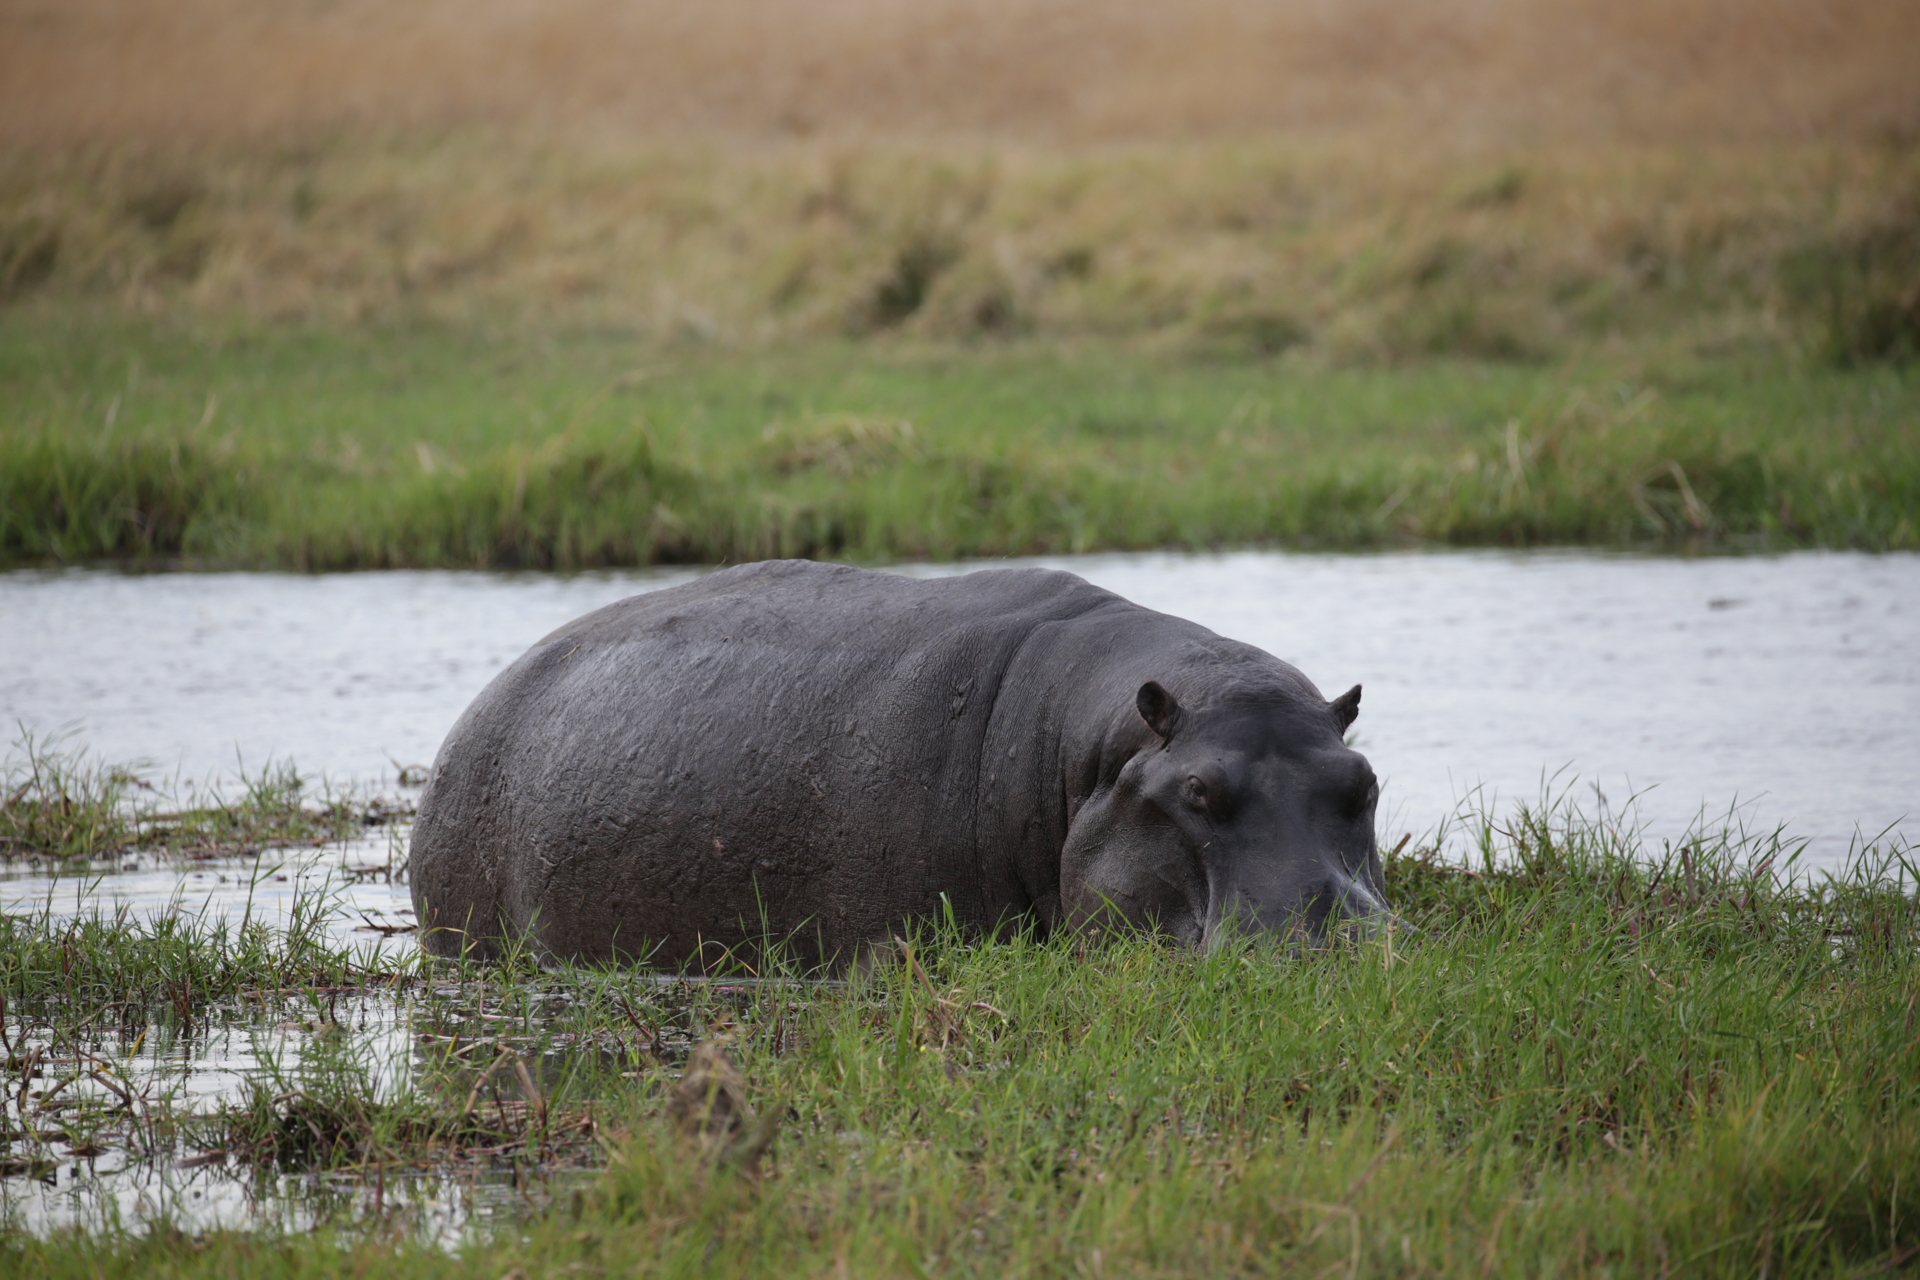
1598,1056
63,975
62,804
225,444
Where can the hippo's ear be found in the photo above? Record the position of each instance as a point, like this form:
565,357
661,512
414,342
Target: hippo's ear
1346,708
1158,709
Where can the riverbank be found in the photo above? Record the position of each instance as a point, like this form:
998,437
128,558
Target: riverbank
214,442
474,346
1595,1056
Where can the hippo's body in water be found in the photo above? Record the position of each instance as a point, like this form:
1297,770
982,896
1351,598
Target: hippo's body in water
817,753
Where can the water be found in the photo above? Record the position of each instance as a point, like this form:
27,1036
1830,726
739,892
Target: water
369,908
148,1143
348,675
1786,685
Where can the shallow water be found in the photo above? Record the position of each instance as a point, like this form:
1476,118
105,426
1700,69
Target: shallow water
366,906
71,1156
1788,685
227,1050
112,1183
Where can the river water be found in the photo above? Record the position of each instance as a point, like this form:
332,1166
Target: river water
1786,686
1785,689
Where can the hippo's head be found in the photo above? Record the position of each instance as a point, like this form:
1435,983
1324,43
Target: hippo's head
1245,812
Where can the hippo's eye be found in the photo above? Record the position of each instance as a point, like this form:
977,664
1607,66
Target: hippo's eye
1195,793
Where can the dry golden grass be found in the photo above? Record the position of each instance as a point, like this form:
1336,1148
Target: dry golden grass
1499,71
1329,247
1366,178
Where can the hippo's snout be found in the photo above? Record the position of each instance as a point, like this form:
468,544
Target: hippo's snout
1338,905
1349,906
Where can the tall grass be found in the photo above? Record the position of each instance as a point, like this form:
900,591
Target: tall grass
1372,181
1352,252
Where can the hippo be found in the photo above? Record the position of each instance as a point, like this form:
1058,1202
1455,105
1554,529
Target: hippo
815,755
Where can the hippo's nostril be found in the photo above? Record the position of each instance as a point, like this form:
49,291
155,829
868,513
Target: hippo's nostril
1358,901
1348,908
1365,929
1334,906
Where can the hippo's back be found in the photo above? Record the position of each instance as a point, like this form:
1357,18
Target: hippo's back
803,737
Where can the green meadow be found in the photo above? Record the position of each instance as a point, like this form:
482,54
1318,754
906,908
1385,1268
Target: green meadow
210,443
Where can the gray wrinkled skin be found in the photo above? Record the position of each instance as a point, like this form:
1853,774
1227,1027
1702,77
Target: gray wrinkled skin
814,753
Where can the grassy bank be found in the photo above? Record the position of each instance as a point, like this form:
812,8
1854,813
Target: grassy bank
1598,1057
471,346
431,444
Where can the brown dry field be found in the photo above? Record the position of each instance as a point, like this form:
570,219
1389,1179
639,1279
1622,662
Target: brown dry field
1479,72
1361,178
